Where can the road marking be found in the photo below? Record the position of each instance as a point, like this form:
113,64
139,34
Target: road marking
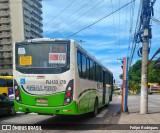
102,113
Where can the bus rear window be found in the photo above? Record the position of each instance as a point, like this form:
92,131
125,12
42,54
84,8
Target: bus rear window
2,83
41,55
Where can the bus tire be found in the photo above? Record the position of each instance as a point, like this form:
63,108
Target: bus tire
95,111
12,112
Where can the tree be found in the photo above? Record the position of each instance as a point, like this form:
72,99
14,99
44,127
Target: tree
4,74
121,76
153,74
135,75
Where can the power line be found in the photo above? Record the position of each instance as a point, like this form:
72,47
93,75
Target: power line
60,12
155,20
85,4
114,26
137,29
126,24
81,16
156,11
130,31
119,27
100,19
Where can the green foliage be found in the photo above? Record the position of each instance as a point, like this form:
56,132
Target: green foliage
121,76
135,72
4,74
153,74
135,75
117,92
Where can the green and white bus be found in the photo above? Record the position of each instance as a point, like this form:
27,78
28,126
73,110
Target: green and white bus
57,76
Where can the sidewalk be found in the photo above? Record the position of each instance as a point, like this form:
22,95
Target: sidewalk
134,116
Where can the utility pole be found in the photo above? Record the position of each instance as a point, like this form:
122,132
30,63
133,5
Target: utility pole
145,21
125,86
125,67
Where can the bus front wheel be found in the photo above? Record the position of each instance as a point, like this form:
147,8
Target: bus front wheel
12,112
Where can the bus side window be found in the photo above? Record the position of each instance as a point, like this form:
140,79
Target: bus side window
79,63
107,77
97,73
91,70
100,74
94,71
88,68
84,66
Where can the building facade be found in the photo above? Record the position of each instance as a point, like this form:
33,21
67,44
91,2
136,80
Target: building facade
19,20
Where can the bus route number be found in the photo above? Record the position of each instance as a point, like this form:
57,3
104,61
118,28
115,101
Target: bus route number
55,81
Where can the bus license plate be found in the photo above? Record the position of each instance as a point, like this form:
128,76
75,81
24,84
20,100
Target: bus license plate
42,101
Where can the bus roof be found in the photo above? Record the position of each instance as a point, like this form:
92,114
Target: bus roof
44,40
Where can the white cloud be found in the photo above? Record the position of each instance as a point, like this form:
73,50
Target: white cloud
106,40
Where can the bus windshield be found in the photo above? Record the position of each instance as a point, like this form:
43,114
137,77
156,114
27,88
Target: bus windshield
41,55
2,82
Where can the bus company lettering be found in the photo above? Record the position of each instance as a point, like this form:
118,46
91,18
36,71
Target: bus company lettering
55,81
41,88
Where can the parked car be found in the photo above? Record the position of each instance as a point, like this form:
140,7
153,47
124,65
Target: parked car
6,106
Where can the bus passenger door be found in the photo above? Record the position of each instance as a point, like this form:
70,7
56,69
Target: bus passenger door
104,88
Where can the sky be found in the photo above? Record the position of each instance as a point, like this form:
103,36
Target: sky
109,39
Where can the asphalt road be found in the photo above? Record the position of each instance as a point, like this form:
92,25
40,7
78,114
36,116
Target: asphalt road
107,115
153,103
70,122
